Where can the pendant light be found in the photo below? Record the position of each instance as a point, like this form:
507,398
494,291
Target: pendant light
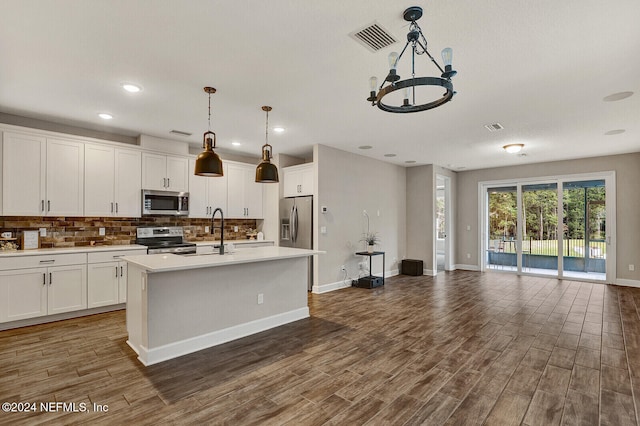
208,162
266,172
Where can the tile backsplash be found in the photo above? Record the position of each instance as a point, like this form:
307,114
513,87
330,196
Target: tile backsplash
82,231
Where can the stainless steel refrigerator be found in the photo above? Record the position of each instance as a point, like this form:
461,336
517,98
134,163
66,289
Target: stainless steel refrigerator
296,226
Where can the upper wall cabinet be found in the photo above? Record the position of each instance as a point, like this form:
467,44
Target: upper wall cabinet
244,199
165,172
298,180
207,193
42,176
112,181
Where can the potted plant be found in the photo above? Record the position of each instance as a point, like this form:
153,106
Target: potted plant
371,239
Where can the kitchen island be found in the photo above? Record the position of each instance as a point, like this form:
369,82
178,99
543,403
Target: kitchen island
181,304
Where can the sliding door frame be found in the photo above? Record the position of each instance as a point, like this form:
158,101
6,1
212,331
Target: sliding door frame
610,188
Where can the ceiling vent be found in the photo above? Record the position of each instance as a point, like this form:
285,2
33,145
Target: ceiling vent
494,127
373,37
180,133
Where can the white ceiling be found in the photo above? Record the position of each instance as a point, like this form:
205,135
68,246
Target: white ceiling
541,69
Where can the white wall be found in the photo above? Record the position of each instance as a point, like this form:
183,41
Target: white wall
627,168
348,184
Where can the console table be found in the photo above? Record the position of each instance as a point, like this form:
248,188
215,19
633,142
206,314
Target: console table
371,280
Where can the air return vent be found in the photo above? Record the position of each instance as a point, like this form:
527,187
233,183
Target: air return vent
180,133
373,37
494,127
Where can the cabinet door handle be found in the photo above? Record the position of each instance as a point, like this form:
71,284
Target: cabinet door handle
48,205
116,207
50,278
41,205
116,272
44,279
168,182
111,207
164,182
121,271
48,261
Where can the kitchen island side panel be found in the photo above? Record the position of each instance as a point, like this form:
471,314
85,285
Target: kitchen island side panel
187,304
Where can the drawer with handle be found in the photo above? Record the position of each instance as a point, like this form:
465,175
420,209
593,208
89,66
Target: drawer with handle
36,261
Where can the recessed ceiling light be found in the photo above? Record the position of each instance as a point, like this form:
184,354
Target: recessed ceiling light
615,132
365,147
617,96
410,161
105,116
236,143
131,88
278,129
512,148
389,155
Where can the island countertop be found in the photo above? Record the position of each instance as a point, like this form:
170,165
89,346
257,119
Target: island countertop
173,262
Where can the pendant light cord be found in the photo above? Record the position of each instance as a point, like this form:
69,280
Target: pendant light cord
266,130
209,125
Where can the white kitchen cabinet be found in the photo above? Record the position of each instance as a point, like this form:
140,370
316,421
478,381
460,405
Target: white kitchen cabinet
42,176
298,180
23,294
165,172
67,288
30,289
244,197
107,277
207,193
112,181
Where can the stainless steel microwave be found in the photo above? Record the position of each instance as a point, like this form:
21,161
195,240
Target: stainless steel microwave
166,203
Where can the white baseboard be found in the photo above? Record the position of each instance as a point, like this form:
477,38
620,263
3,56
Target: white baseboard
466,267
59,317
153,356
627,283
429,272
325,288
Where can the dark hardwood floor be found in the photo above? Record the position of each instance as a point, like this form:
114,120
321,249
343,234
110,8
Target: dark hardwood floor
461,349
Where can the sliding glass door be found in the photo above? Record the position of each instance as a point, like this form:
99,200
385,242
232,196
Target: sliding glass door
552,227
585,229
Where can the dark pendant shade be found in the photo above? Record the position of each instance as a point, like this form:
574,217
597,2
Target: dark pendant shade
266,172
208,163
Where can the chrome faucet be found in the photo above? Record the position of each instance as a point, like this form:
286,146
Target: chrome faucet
218,209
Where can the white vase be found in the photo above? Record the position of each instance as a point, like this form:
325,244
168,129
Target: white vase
370,248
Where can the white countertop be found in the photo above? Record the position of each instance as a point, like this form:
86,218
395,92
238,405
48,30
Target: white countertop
69,250
234,242
173,262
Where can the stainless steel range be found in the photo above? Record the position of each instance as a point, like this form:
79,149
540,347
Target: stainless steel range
164,239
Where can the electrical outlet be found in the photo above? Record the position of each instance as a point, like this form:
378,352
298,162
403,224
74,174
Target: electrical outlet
235,229
632,267
43,232
260,298
206,229
101,231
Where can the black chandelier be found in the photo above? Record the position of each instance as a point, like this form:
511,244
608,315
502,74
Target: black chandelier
418,44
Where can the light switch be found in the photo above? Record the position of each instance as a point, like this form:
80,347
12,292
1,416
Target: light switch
206,229
235,229
43,232
323,229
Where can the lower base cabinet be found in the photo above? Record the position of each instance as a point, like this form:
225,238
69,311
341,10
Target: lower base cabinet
29,293
108,277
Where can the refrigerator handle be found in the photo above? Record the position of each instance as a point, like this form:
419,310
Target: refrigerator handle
292,229
295,222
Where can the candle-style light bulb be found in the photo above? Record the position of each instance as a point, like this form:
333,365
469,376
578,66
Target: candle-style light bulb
373,83
447,57
393,59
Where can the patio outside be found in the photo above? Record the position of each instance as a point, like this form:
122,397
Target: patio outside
583,250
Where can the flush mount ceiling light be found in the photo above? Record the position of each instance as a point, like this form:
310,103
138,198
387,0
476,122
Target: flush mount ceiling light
131,88
266,172
208,162
105,116
418,44
513,148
